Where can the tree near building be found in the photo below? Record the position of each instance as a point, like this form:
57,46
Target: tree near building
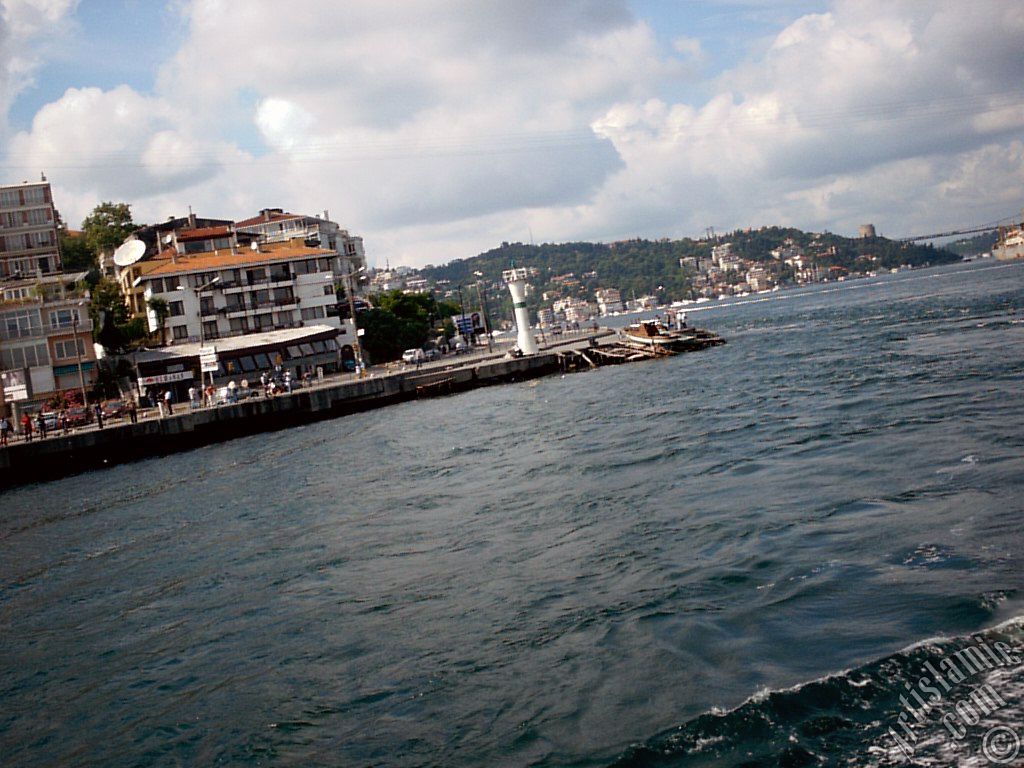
162,310
107,227
112,326
400,321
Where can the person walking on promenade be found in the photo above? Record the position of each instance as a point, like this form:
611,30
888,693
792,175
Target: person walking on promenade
26,427
5,427
41,423
133,412
168,398
98,410
192,397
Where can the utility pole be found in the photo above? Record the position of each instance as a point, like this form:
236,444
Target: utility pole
356,346
78,358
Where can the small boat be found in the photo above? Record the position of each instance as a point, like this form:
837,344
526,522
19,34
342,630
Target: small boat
656,337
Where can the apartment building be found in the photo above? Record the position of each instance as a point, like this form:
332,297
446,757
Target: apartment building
274,225
609,300
45,339
218,285
28,231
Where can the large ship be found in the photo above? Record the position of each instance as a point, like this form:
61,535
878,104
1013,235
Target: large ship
1011,243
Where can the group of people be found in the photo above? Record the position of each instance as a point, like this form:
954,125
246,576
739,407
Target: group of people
42,424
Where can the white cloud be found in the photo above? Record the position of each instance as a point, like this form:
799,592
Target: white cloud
28,31
438,129
853,113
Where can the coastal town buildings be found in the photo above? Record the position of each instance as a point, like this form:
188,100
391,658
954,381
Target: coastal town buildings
45,339
215,287
609,301
274,225
28,230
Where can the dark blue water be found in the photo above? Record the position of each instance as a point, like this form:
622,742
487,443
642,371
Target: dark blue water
724,558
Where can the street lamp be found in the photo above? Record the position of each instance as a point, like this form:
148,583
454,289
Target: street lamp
199,314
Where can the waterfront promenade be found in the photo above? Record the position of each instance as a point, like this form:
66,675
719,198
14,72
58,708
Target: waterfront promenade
119,442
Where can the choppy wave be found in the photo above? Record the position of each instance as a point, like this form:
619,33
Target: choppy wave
892,712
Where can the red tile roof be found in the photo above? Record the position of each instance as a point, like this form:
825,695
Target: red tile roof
273,217
204,233
224,259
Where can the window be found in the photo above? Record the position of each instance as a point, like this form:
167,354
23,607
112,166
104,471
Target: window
66,349
39,216
262,360
34,195
313,313
210,330
320,347
328,290
24,357
20,323
294,351
9,198
206,305
256,275
247,363
176,308
180,332
63,318
307,349
156,285
239,324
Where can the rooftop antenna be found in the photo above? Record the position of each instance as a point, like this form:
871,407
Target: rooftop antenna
42,176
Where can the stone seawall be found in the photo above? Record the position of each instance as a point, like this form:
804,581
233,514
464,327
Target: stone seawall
56,457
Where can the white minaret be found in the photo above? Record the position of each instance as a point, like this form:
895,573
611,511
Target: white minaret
516,279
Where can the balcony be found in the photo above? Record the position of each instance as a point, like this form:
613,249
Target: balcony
43,331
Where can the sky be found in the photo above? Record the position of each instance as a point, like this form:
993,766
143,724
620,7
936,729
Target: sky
437,129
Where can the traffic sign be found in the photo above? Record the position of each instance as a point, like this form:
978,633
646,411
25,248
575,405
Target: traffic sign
208,361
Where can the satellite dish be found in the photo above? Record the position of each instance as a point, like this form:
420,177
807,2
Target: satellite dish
254,245
168,239
129,252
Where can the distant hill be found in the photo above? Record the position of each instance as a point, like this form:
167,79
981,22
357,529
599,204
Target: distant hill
974,246
652,267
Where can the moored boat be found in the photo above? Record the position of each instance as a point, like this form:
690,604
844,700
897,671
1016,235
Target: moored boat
654,336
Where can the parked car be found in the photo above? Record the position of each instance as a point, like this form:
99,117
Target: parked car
431,354
114,409
413,355
460,347
78,416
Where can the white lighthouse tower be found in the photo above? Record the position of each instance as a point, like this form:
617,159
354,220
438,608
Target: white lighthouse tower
516,279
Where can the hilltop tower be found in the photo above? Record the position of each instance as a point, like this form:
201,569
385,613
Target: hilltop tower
516,280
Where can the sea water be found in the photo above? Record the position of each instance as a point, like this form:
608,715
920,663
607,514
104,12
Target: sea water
752,555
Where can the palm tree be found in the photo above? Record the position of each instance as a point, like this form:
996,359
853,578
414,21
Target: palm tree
162,311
